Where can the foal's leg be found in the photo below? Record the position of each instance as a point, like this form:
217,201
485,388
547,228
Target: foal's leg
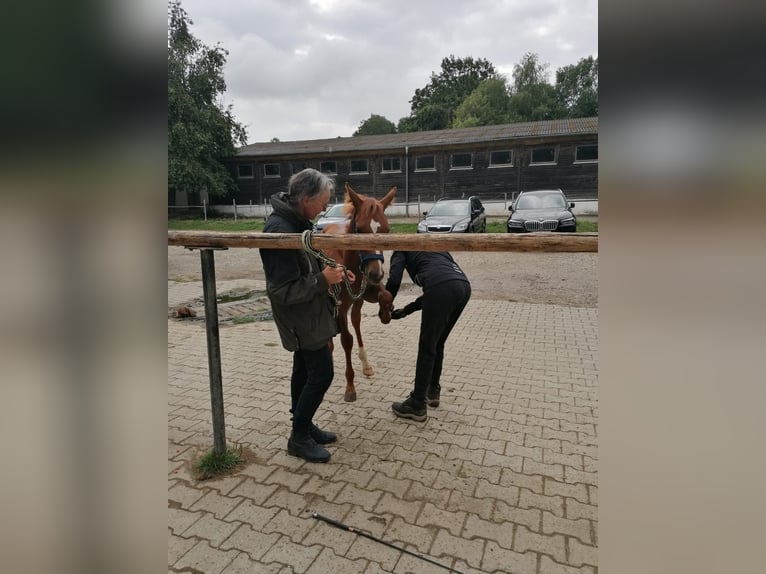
356,319
347,340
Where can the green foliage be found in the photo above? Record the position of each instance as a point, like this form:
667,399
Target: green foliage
214,464
536,102
433,106
201,132
533,99
577,88
470,93
488,104
529,72
375,125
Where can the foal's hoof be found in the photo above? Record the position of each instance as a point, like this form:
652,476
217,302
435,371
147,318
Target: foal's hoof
368,372
350,397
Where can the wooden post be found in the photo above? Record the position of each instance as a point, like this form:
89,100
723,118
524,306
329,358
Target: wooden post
213,350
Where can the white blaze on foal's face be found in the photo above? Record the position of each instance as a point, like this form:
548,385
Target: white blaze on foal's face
374,224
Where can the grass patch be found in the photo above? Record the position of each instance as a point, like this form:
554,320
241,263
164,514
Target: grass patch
243,320
256,224
213,464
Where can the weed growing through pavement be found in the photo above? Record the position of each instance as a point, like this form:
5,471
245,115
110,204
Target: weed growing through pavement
214,464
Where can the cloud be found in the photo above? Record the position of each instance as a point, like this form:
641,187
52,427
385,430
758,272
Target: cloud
305,69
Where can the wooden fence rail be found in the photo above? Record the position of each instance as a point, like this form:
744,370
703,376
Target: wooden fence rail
540,242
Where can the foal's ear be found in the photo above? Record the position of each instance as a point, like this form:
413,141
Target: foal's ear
353,196
389,197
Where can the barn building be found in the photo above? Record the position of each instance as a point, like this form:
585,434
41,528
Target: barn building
492,162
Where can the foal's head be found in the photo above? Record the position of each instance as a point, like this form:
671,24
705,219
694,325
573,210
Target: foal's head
368,216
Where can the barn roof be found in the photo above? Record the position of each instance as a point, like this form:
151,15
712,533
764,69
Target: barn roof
356,144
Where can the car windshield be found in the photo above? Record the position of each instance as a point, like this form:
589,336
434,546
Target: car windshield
449,208
541,201
335,211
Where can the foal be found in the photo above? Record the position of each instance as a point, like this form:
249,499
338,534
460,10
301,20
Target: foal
366,215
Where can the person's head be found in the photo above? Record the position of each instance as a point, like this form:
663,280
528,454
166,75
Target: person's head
309,192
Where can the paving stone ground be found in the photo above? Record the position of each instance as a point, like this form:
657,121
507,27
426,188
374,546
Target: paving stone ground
502,477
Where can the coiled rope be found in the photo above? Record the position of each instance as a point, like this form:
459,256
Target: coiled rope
335,290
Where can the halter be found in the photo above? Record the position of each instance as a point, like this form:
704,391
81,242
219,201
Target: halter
365,257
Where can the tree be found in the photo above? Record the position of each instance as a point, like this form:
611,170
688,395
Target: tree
201,132
487,105
433,107
533,98
529,72
577,88
375,125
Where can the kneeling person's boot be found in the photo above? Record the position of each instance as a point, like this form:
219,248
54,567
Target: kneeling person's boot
410,408
304,446
432,395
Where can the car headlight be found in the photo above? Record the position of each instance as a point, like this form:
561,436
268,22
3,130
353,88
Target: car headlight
567,221
515,223
462,226
422,226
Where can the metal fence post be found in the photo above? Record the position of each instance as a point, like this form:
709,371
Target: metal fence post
213,349
235,209
204,208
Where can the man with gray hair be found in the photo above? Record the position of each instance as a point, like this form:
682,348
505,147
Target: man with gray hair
297,284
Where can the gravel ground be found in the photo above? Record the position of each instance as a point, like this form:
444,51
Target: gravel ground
569,279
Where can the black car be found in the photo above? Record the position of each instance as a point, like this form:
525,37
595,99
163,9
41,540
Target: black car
455,216
541,210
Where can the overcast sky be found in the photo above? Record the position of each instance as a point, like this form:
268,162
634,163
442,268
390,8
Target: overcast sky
312,69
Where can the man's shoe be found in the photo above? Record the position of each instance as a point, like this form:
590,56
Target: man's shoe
305,447
321,436
432,396
410,409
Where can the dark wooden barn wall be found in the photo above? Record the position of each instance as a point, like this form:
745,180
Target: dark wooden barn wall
579,181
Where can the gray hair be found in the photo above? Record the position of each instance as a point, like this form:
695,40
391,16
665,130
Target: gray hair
309,183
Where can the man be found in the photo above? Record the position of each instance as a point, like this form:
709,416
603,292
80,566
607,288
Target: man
297,285
446,291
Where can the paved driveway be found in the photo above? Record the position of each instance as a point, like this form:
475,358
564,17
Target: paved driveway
501,477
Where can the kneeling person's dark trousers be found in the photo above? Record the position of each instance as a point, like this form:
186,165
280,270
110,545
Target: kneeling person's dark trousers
442,306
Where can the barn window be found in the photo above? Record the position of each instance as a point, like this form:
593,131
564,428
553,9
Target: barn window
359,166
245,171
391,164
586,153
543,155
461,161
425,163
298,166
330,167
270,170
502,158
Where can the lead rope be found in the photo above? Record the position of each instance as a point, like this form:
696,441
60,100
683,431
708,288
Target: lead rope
334,289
